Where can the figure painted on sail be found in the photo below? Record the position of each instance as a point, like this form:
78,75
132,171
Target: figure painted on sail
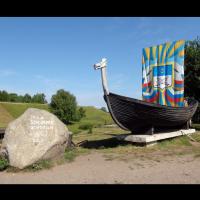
163,74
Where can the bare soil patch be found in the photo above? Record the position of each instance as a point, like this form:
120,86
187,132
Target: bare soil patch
97,168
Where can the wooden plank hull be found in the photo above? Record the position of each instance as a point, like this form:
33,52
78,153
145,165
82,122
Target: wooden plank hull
138,116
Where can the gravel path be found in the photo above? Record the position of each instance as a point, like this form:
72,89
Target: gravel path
96,168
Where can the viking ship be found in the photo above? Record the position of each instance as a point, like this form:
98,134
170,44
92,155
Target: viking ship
155,113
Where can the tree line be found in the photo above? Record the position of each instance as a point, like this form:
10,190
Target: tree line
27,98
63,104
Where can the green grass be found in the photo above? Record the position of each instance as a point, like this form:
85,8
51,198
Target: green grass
40,165
196,136
71,154
17,109
175,142
98,134
94,117
102,140
196,126
43,164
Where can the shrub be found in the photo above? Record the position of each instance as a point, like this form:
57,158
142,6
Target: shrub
103,109
70,155
42,164
90,130
3,163
86,126
80,114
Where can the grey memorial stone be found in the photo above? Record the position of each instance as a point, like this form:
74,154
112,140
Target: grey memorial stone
35,135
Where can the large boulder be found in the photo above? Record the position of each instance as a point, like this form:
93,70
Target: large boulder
35,135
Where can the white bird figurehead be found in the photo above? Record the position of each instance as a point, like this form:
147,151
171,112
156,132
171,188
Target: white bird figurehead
101,64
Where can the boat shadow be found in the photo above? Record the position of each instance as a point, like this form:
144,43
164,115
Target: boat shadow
104,143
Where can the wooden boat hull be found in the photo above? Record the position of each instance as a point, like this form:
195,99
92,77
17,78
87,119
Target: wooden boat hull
141,117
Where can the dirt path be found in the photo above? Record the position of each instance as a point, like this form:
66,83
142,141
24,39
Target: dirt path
97,168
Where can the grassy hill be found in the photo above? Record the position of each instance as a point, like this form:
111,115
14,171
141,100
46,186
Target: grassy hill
5,116
94,116
16,109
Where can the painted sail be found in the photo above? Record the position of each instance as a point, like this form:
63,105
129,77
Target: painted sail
163,74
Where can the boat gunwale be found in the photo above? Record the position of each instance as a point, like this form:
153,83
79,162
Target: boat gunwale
130,99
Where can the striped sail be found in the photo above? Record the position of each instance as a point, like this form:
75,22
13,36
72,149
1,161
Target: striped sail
163,74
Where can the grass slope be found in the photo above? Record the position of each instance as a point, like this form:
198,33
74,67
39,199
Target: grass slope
5,116
94,116
16,109
10,111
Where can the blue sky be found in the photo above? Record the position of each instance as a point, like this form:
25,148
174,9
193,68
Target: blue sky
47,54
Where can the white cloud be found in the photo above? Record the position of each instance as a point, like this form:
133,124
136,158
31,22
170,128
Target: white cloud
147,30
6,72
91,100
50,82
49,85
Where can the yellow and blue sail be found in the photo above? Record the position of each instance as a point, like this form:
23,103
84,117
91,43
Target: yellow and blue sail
163,74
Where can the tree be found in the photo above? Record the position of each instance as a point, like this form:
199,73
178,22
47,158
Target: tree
103,109
13,97
4,96
27,98
80,114
192,73
64,106
20,98
192,69
39,98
